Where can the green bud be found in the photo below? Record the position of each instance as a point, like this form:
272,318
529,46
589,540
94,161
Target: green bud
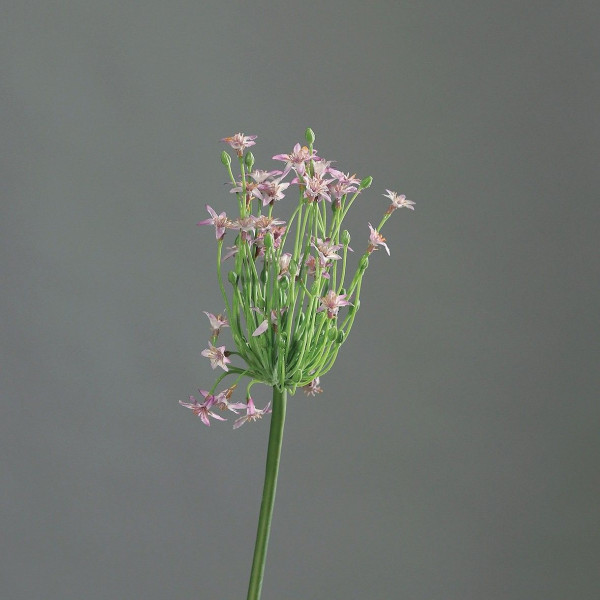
283,283
364,263
332,334
233,277
249,160
264,276
268,240
340,336
342,291
345,237
366,182
309,134
225,158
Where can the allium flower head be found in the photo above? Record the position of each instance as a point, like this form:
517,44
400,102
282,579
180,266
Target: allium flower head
284,274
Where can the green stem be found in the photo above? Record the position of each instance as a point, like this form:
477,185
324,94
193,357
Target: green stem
268,498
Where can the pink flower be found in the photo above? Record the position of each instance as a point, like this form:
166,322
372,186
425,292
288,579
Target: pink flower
332,303
376,239
217,356
216,322
270,191
313,388
326,249
345,184
297,159
252,413
219,221
398,201
317,188
221,401
239,142
203,410
266,223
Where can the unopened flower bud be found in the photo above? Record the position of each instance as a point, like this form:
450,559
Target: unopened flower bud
309,134
268,240
345,237
340,336
233,277
225,158
364,263
366,182
283,283
264,276
332,334
249,160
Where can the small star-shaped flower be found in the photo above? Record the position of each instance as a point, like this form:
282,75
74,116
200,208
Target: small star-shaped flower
217,356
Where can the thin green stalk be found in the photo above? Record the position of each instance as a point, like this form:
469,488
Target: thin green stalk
268,498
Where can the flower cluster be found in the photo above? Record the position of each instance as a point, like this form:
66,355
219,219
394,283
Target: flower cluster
283,308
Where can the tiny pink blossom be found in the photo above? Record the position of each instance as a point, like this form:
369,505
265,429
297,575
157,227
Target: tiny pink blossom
216,322
221,222
203,410
252,413
266,223
271,191
332,303
317,188
313,388
398,201
376,239
326,249
221,401
239,142
217,356
297,159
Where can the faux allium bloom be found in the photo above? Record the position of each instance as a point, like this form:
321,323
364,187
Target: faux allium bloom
398,201
239,142
297,159
216,356
376,239
216,322
332,303
252,413
203,410
221,222
313,388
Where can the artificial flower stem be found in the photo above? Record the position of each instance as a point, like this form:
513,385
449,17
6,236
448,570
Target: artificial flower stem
268,497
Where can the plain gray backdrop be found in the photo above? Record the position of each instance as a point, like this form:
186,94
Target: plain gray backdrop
454,452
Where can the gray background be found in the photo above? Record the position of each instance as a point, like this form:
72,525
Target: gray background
454,452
